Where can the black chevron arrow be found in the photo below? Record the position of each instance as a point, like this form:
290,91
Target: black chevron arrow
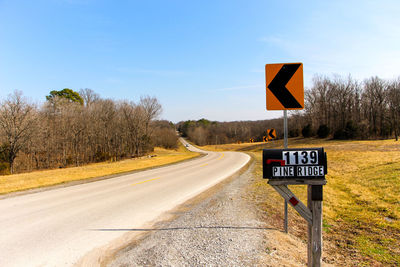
271,133
278,86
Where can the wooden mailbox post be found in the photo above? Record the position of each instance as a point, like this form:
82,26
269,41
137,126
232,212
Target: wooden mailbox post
300,166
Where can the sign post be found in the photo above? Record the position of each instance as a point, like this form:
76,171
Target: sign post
285,145
314,248
285,91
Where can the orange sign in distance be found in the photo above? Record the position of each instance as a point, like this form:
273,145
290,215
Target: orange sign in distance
284,86
271,134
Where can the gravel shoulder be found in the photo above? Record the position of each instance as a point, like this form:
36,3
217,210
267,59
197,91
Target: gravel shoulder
221,227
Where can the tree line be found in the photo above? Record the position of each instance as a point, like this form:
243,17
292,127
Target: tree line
349,109
335,107
71,129
205,132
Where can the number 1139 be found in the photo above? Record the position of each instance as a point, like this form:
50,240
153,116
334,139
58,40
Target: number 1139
301,157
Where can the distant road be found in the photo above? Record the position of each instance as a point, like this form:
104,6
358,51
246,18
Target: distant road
63,227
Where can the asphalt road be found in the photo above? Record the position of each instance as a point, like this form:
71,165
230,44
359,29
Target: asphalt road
66,226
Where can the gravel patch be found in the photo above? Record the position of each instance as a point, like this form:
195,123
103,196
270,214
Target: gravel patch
220,230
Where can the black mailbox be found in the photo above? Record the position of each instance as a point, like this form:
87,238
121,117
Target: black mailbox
294,163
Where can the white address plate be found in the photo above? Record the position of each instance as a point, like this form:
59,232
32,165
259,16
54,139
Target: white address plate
301,171
302,157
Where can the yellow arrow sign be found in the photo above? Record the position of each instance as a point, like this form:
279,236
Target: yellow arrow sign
271,134
284,85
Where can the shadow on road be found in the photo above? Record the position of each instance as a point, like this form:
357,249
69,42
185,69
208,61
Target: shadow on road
185,228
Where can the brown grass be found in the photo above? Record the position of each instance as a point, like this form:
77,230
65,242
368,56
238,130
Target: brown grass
24,181
361,199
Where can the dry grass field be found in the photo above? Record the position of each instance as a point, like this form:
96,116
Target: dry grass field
24,181
361,207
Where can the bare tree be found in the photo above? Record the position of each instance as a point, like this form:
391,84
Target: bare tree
17,120
375,104
89,96
165,134
135,123
393,97
152,109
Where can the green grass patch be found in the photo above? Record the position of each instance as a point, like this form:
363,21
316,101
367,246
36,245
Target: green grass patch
377,249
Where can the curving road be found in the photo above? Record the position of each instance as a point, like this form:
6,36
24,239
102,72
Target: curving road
62,227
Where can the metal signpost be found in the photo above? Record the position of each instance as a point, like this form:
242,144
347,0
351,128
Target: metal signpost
305,166
285,145
285,91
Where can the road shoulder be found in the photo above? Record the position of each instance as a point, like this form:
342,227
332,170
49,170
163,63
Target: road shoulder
220,227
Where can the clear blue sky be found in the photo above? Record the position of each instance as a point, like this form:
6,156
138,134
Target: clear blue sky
199,58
